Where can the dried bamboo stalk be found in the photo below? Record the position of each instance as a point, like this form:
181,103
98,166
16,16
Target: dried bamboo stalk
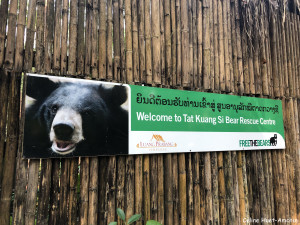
3,21
64,38
229,188
257,72
279,61
285,61
194,42
88,37
73,201
21,23
215,187
175,189
11,35
226,46
138,188
135,42
153,186
216,46
206,45
292,51
173,42
168,182
221,47
235,186
122,42
168,42
241,187
80,38
298,65
28,58
111,189
289,56
297,176
49,31
162,44
64,191
271,182
57,37
116,41
103,180
190,191
202,191
199,43
212,62
248,80
185,76
182,189
266,174
230,17
84,188
109,41
178,43
31,191
146,186
129,186
234,47
44,191
251,68
208,192
39,57
11,146
93,191
128,36
222,192
141,33
102,39
160,189
296,53
120,195
54,202
255,185
73,25
95,25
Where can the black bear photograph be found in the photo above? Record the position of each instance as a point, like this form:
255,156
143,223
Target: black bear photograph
68,117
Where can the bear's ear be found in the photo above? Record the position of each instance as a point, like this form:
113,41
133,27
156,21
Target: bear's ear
115,96
40,87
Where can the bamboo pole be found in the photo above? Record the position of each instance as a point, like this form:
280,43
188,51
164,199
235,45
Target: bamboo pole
168,183
138,187
146,187
215,187
111,189
285,61
296,53
234,47
141,33
216,45
54,202
190,191
11,35
297,178
268,188
84,187
64,38
120,194
122,42
160,190
155,26
128,37
80,38
116,41
202,191
11,146
206,45
3,21
57,37
222,192
148,42
256,65
185,76
168,42
135,42
298,32
73,201
103,180
21,23
88,37
95,25
64,191
194,42
280,61
39,57
129,186
221,47
229,188
73,25
28,58
93,191
208,192
212,61
182,189
162,45
230,18
31,192
246,48
153,186
242,202
271,180
199,43
175,189
292,52
102,39
289,62
178,43
44,191
109,41
226,46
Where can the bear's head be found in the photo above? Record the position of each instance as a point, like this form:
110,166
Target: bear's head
71,117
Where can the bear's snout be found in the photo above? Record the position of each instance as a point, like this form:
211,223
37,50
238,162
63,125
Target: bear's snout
64,131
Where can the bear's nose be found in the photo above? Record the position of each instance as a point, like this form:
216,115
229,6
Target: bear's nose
63,131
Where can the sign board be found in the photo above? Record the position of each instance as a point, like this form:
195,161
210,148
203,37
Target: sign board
68,117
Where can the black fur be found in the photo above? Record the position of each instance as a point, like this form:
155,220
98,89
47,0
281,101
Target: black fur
104,121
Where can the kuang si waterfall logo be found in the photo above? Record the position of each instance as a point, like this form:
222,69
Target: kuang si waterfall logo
258,143
156,141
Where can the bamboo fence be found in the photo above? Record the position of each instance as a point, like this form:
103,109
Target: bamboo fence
234,47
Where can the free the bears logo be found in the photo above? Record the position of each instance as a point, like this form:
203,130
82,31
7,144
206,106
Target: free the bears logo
156,141
257,143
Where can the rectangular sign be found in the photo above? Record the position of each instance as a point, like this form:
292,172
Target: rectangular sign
68,117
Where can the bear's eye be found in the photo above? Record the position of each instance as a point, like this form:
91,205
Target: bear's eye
54,108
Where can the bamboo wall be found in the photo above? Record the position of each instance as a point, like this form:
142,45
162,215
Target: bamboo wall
225,46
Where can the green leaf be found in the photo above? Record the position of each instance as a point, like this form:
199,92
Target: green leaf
152,222
121,214
134,218
113,223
